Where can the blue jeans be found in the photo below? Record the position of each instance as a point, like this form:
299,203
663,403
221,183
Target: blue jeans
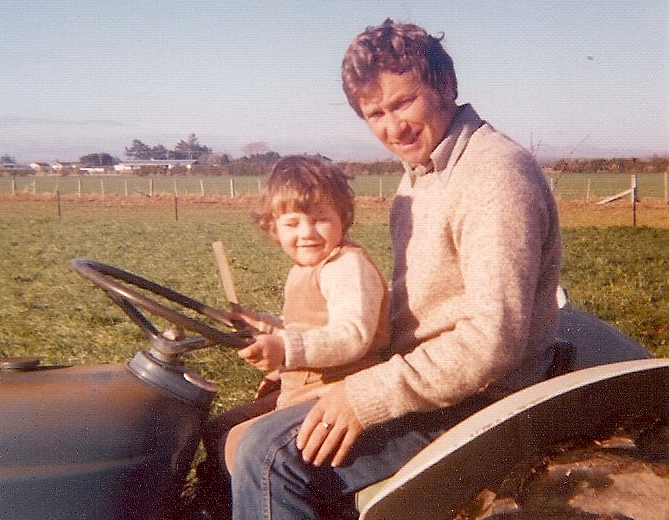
271,481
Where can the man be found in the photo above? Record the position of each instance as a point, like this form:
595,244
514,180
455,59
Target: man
476,264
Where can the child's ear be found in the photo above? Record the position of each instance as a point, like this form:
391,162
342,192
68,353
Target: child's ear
271,232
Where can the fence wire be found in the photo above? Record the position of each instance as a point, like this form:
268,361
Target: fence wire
567,186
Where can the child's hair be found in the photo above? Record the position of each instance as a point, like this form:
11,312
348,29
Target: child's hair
299,182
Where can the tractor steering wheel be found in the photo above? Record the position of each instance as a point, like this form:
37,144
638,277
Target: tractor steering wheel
109,279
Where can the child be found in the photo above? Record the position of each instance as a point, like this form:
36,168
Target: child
335,313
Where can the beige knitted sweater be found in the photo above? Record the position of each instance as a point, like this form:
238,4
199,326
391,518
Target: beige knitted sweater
336,319
476,266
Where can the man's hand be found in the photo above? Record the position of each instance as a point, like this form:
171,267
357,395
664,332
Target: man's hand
329,429
267,352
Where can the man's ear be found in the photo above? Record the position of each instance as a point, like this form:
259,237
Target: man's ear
448,92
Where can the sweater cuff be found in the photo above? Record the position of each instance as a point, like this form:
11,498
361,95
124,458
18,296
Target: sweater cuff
294,349
367,406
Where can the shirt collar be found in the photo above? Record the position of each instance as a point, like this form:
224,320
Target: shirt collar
448,151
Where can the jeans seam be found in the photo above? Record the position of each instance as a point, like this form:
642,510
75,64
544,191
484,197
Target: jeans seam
268,460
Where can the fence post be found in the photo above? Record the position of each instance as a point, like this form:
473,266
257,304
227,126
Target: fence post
232,188
14,186
151,188
79,187
587,194
380,187
201,187
633,190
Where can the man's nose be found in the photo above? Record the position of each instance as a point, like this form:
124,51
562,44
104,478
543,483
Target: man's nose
395,125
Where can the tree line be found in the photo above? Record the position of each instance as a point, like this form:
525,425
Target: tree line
258,160
188,148
655,164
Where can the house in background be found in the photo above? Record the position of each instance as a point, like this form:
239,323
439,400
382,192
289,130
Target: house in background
40,166
167,164
62,166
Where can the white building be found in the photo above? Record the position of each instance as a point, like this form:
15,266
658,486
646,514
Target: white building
127,166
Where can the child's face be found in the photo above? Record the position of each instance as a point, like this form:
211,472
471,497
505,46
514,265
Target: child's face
308,238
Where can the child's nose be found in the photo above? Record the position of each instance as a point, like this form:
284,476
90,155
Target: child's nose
306,229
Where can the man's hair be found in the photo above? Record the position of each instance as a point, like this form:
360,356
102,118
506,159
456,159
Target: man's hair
395,48
297,183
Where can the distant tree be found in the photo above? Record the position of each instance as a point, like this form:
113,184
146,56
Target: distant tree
190,148
94,160
7,159
387,167
138,150
255,148
159,152
659,164
214,159
268,157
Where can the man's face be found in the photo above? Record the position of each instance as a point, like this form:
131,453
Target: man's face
406,115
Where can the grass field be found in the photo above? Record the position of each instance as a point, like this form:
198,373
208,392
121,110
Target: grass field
612,269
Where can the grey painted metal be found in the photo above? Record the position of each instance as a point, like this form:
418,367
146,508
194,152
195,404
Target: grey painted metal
594,341
97,442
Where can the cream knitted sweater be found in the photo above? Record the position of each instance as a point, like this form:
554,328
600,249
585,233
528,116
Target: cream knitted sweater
476,266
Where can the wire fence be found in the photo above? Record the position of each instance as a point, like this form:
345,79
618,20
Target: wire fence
600,187
565,186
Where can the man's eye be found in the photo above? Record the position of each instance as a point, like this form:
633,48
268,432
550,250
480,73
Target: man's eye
404,103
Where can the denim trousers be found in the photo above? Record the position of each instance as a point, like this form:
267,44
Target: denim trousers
271,481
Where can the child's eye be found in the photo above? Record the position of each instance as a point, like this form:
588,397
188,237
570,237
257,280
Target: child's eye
287,221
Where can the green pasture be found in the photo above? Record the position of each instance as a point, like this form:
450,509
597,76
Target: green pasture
132,185
566,186
46,309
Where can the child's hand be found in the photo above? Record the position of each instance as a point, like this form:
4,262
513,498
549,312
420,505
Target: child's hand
267,352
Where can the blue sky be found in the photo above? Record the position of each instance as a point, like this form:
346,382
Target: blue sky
571,77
